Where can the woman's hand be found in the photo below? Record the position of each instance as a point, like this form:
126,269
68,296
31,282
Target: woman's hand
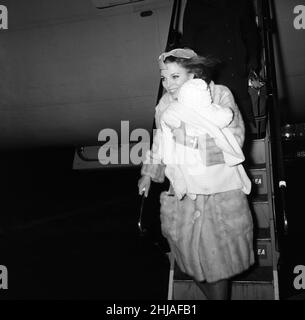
144,185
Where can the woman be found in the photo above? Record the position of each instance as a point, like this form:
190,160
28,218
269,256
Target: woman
211,235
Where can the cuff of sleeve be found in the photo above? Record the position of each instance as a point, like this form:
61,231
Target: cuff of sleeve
155,171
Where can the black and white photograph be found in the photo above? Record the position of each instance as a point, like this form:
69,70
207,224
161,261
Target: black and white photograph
152,151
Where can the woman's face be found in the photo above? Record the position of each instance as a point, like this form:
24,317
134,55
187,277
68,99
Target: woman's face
173,77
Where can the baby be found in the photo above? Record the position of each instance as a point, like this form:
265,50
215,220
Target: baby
188,125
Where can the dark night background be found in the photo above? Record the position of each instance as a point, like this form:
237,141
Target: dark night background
68,234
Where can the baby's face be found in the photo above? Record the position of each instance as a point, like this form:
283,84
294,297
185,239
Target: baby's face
194,93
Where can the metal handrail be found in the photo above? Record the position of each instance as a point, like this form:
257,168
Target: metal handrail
274,116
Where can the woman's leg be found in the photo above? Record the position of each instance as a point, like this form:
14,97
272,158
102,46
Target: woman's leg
216,290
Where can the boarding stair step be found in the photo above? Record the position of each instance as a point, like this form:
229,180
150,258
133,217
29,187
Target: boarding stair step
258,176
256,274
262,234
259,198
255,152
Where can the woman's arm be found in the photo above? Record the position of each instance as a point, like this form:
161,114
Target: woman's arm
153,166
237,125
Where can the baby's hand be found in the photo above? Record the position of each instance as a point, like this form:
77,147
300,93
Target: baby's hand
179,134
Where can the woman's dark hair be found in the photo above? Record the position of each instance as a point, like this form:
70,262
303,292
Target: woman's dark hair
202,67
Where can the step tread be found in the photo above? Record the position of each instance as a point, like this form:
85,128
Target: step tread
263,234
259,198
257,166
255,274
258,139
